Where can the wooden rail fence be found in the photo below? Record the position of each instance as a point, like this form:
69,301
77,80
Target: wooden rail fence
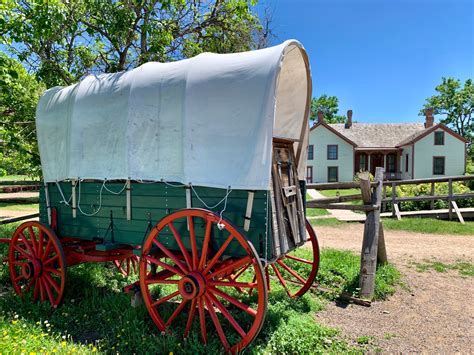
450,197
373,194
11,187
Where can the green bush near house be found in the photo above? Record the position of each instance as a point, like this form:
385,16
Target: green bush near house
425,190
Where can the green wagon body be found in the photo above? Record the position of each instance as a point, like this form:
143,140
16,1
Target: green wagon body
149,204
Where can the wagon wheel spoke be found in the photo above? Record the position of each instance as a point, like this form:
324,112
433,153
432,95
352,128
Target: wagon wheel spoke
205,245
178,239
192,239
164,299
291,271
170,255
234,265
216,322
218,254
202,320
299,259
164,265
176,312
34,242
235,302
227,315
189,322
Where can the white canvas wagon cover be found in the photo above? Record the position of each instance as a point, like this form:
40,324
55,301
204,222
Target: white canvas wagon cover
208,120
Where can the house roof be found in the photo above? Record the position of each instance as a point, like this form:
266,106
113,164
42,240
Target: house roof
418,135
372,135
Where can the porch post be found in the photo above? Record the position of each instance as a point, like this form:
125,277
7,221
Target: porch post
368,162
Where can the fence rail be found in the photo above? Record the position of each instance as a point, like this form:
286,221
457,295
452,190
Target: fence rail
8,195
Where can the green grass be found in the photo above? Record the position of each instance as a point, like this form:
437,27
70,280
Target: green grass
19,207
464,268
340,269
342,192
429,225
313,212
96,315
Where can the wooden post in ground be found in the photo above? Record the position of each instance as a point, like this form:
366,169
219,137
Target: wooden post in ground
450,199
394,195
381,250
432,194
370,243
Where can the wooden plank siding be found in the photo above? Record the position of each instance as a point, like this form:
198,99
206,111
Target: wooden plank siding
149,204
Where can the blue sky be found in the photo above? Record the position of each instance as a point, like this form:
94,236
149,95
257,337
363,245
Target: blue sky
381,58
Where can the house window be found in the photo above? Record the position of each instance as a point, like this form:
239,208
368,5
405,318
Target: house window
438,165
439,138
406,162
363,162
332,152
391,163
310,152
333,174
309,174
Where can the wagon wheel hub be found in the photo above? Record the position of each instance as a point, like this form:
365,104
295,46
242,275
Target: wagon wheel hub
31,269
192,286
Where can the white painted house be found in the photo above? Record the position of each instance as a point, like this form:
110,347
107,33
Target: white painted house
337,152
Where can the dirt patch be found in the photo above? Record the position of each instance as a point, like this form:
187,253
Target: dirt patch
433,312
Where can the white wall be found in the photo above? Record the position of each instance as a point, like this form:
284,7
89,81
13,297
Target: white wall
407,149
453,150
320,137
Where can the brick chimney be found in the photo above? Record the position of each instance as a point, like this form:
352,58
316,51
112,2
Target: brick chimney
349,119
429,119
320,116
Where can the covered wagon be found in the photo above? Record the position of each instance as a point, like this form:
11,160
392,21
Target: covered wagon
191,171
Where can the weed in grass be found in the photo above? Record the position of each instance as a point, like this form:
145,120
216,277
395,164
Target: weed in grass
389,336
365,339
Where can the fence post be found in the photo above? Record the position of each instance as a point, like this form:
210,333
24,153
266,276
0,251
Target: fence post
394,196
368,263
450,199
432,194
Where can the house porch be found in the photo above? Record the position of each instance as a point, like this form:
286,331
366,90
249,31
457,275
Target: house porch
370,159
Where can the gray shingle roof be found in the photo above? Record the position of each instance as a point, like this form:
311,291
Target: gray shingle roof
373,135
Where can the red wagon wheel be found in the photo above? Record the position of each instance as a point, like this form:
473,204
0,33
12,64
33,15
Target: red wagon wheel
37,263
127,266
192,278
297,270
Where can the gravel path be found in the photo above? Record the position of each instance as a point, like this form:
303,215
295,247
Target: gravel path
432,314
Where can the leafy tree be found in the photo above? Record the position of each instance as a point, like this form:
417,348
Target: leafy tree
61,41
329,106
456,104
19,93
